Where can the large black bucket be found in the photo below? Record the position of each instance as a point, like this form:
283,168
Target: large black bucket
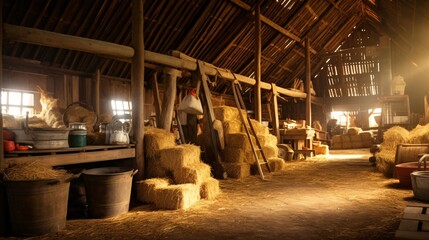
108,190
38,206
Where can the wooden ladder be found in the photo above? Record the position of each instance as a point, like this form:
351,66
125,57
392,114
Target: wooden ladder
240,106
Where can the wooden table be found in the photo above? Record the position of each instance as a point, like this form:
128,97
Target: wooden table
66,156
300,137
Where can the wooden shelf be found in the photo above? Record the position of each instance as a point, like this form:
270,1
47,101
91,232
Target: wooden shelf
67,156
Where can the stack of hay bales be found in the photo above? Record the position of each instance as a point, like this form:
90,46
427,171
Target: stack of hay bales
385,159
178,178
354,138
237,156
320,149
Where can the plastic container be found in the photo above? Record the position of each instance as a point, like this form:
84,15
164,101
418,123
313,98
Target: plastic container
108,190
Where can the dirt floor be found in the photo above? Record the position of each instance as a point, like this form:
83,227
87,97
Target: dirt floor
340,197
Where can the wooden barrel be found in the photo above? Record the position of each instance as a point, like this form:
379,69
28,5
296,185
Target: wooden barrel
37,206
108,190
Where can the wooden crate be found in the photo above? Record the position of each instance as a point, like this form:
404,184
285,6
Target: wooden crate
414,223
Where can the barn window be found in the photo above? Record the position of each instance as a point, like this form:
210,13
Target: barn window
17,102
122,109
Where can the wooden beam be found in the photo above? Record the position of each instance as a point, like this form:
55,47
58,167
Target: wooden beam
271,23
75,158
307,83
51,39
137,83
212,70
149,56
258,47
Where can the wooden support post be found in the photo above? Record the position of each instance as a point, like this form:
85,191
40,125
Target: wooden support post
4,223
215,161
137,84
97,91
307,83
257,89
156,98
167,111
275,112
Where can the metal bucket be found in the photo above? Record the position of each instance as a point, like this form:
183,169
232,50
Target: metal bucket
108,190
420,181
38,206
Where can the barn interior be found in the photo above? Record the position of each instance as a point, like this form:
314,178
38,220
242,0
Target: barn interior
237,119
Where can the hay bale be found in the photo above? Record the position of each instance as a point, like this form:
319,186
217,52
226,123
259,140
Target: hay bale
156,139
259,128
234,126
420,134
174,197
249,158
237,170
276,164
267,139
336,139
347,145
337,145
355,138
232,154
270,152
366,135
394,136
358,144
238,140
226,113
146,189
345,138
385,162
197,174
180,156
210,189
354,131
321,149
155,170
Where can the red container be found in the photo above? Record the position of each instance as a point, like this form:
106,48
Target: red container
8,145
403,173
